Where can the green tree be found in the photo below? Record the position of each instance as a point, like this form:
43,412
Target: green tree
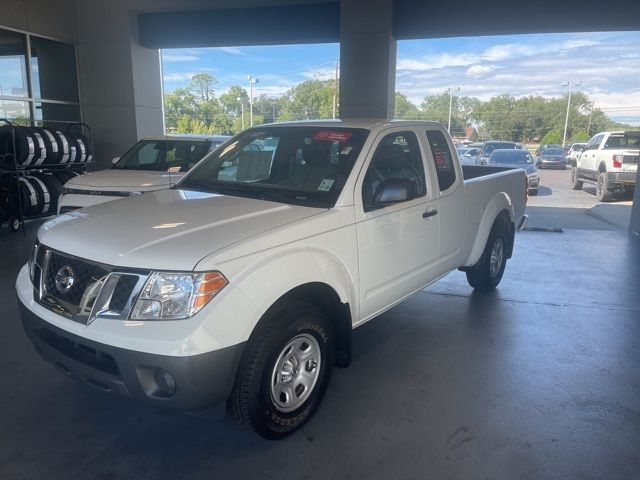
551,137
202,84
307,100
405,109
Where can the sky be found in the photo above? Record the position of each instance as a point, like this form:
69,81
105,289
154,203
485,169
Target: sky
606,64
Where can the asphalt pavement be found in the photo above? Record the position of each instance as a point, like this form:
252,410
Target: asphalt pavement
558,206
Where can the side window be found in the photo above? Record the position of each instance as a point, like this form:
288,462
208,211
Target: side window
594,143
397,157
147,155
442,158
614,142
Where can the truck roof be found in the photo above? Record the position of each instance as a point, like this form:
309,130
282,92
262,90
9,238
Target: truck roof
370,124
189,137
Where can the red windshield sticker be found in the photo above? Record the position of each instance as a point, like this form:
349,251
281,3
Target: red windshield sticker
332,136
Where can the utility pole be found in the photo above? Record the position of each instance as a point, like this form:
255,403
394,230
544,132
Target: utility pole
252,80
273,104
335,89
566,118
451,90
241,100
593,105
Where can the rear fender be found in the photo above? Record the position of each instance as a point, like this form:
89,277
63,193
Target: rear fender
498,203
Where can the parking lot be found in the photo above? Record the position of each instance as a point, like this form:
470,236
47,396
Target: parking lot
556,205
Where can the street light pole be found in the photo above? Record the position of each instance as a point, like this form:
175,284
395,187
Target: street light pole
252,80
335,90
566,118
593,105
241,100
451,90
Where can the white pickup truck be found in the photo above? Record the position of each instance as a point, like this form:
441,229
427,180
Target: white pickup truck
244,282
610,160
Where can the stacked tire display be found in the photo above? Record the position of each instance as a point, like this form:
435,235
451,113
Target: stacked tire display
45,159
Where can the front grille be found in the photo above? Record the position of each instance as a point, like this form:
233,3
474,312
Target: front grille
103,193
95,290
85,274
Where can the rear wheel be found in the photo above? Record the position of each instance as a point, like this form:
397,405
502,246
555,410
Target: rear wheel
487,273
284,372
575,183
602,188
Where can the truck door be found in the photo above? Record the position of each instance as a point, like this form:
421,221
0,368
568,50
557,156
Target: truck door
398,241
587,162
451,200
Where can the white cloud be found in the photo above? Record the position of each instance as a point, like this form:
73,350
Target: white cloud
232,50
479,71
178,76
179,57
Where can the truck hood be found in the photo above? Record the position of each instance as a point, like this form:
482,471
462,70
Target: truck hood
165,230
127,179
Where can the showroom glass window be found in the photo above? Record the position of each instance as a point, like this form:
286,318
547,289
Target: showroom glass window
38,80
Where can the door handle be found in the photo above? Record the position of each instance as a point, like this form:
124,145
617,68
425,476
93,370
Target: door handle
430,213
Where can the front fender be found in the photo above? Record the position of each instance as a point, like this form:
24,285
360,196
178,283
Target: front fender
498,203
267,279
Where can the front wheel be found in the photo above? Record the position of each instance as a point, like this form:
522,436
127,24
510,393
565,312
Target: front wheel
487,273
285,370
533,192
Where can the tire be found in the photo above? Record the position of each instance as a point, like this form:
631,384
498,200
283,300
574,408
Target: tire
52,154
84,148
44,198
55,189
259,400
484,276
575,183
602,188
533,193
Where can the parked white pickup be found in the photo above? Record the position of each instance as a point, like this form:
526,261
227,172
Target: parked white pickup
610,160
243,283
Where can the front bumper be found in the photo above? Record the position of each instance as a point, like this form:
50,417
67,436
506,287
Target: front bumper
626,178
533,183
199,381
552,164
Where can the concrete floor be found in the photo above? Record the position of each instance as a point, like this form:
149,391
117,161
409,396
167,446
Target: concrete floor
538,380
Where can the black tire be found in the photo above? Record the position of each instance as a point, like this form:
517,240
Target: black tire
44,197
602,188
84,148
481,276
251,403
533,193
55,189
575,183
52,153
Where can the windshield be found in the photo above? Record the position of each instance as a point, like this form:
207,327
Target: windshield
490,147
162,155
297,165
511,157
553,151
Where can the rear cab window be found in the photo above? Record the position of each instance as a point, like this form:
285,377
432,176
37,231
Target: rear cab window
442,159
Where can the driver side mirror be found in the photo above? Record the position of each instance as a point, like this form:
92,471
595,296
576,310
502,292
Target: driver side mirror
115,160
394,190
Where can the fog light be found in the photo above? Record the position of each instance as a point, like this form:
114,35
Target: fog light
165,382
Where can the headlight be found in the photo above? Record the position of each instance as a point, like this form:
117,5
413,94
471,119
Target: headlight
174,296
32,260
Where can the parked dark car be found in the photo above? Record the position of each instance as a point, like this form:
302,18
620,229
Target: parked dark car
518,158
551,158
489,147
